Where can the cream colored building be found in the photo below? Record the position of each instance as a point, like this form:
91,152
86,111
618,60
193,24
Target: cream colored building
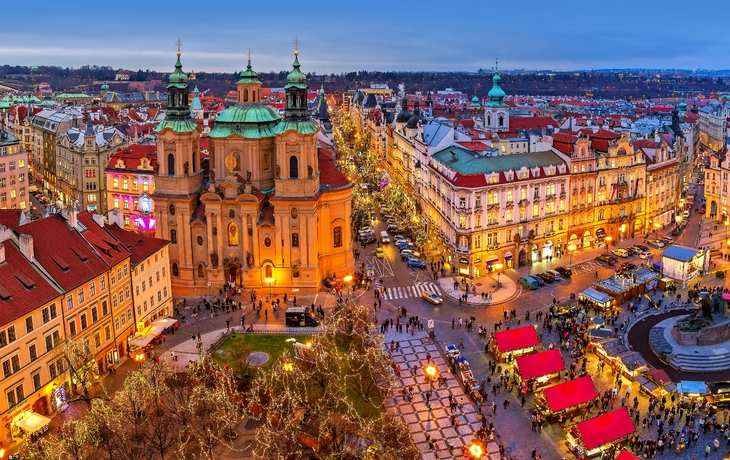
14,175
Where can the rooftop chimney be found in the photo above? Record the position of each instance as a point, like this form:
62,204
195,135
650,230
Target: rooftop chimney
99,219
70,215
5,233
26,246
116,217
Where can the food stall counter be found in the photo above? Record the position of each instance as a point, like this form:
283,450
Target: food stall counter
590,438
540,369
567,398
511,343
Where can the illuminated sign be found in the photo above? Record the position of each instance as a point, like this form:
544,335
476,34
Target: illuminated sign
145,223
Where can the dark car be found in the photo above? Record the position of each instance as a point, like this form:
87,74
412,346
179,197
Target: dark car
547,277
367,240
632,251
539,280
626,266
564,271
604,259
643,247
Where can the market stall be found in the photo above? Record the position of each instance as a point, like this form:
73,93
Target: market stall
626,455
656,383
596,299
628,285
567,399
684,264
614,352
590,439
507,345
33,424
691,391
539,369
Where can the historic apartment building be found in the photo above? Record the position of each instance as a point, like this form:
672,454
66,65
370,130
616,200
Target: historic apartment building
131,184
14,175
270,213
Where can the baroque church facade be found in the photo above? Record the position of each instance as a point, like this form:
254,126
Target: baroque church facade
272,212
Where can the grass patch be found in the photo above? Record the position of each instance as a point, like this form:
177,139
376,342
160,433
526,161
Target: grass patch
272,344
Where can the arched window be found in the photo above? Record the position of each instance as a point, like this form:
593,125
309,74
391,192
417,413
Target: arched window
173,236
501,121
238,161
293,167
232,234
489,120
175,270
268,272
245,95
337,237
295,240
170,164
201,271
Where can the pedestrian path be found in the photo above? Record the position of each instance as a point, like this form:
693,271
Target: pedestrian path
405,292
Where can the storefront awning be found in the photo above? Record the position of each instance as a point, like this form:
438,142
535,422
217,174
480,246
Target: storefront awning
491,259
600,233
659,376
596,296
539,364
606,428
33,422
142,340
626,455
156,327
570,393
516,339
588,238
464,261
508,255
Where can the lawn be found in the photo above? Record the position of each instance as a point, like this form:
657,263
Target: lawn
272,344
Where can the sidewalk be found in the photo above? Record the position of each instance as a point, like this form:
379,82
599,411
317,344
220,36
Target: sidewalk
485,284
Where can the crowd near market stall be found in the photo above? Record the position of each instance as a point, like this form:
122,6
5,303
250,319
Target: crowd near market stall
566,400
509,344
656,383
627,285
600,301
590,439
691,391
539,370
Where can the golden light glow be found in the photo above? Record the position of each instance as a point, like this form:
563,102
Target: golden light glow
571,247
608,239
431,370
288,367
270,279
498,266
657,225
475,450
347,278
623,228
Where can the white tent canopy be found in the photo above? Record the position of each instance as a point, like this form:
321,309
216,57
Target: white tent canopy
142,340
33,422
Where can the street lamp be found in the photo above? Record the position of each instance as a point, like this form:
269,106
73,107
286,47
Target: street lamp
498,266
727,222
571,248
608,243
656,229
347,280
475,451
270,280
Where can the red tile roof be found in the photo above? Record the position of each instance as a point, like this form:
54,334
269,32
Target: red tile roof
108,247
140,246
474,146
531,123
10,217
330,175
132,156
61,250
22,287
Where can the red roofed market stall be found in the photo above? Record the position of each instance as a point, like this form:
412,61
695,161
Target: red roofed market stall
626,455
591,438
567,399
511,343
539,369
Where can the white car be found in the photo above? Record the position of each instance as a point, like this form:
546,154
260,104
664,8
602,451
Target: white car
556,276
645,255
431,297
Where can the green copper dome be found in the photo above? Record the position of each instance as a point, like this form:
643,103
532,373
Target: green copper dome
104,87
178,78
496,94
475,101
296,79
682,104
248,75
248,113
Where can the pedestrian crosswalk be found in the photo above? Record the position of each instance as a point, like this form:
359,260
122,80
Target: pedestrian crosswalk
405,292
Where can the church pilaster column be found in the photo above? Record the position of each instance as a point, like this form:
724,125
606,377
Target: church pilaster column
278,222
221,256
255,242
211,243
246,250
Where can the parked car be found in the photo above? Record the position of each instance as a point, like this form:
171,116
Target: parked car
547,277
368,240
667,239
645,255
620,252
626,266
631,251
529,282
387,217
656,243
540,281
643,247
416,263
555,274
604,259
564,271
379,253
701,211
431,297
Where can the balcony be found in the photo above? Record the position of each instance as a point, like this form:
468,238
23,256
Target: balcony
550,197
509,203
462,250
562,194
493,247
522,202
549,233
523,239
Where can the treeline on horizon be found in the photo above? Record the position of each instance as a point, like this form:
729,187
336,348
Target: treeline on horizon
612,83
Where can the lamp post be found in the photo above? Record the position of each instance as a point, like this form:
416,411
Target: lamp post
727,223
608,243
430,371
571,248
270,280
498,266
347,280
475,451
656,229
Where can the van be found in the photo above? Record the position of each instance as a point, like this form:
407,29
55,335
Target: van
529,282
384,237
620,252
554,273
300,317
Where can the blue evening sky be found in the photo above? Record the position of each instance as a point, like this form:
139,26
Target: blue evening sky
339,35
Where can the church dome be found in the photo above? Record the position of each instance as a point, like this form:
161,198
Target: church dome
248,75
415,118
178,77
296,78
248,113
404,115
